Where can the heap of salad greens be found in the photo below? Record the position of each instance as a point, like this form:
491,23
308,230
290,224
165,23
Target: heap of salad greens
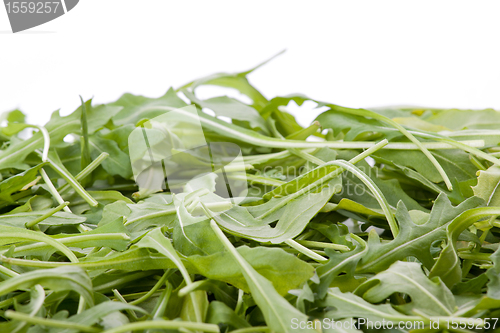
385,216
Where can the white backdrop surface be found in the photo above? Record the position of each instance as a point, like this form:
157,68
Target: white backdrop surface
356,53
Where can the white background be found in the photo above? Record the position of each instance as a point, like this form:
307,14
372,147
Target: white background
356,53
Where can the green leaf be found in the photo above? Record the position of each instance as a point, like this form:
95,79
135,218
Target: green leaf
487,187
340,263
348,305
14,116
13,234
37,298
237,81
57,279
232,108
18,182
296,215
414,239
466,119
494,275
93,315
428,296
220,313
134,259
118,162
155,240
447,267
19,220
356,127
277,312
454,162
284,270
135,108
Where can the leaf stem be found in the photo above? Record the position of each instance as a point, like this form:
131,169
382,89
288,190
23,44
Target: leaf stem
73,183
53,190
304,250
256,139
160,282
72,241
123,300
475,256
31,224
368,113
162,301
254,329
87,171
10,273
324,179
85,158
165,325
323,245
49,322
40,237
171,211
375,190
190,287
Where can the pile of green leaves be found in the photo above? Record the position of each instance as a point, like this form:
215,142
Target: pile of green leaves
386,214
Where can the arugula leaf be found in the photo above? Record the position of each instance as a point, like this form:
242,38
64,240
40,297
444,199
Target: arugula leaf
276,310
18,182
283,269
61,278
487,186
414,239
428,296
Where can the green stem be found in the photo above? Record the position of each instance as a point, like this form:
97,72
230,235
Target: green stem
73,183
45,158
254,329
239,303
190,287
32,263
161,306
171,211
87,171
295,151
49,322
256,139
322,245
467,264
371,114
326,178
85,158
165,325
461,145
376,192
40,237
53,190
475,256
19,299
160,282
256,179
10,273
31,224
72,241
307,156
121,299
304,250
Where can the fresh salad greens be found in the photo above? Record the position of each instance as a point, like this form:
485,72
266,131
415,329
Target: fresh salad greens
368,220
